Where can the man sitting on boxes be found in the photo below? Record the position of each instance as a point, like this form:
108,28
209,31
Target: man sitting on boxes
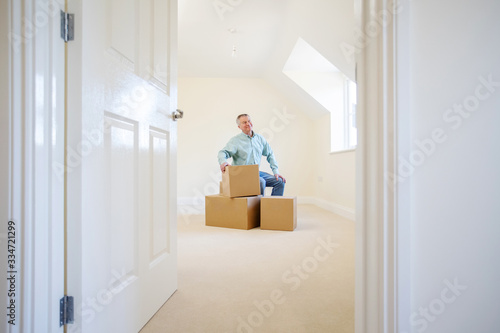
247,148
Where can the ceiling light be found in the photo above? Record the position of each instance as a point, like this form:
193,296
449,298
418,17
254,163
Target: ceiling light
233,31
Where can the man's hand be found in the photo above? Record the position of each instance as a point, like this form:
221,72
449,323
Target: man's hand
278,176
223,166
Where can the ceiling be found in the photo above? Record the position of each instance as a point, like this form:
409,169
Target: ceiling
208,31
263,34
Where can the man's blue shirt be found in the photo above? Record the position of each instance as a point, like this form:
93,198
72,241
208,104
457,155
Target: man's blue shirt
246,150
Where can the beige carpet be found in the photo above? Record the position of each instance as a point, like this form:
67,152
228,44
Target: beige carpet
263,281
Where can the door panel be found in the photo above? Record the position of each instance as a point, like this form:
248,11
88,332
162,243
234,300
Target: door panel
160,222
121,29
126,230
120,161
160,49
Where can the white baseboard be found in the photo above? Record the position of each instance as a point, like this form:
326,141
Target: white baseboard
196,205
343,211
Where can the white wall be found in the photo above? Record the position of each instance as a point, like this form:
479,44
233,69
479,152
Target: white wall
211,106
455,186
335,173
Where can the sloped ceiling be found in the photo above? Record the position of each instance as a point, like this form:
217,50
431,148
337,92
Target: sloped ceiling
254,38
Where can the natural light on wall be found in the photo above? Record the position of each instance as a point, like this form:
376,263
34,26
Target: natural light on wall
330,87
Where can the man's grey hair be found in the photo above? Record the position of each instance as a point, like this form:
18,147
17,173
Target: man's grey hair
241,115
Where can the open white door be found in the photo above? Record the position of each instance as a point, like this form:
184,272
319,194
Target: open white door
121,162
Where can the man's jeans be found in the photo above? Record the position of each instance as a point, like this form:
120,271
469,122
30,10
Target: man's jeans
267,180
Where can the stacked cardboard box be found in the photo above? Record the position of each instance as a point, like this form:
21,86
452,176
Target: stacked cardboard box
241,181
237,213
239,204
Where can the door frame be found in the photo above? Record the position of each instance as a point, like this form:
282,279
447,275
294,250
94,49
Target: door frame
36,194
381,292
382,286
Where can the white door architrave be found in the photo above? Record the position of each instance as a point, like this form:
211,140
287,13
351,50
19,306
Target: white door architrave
35,194
382,231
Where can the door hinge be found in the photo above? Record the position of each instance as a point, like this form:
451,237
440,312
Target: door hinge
67,26
66,311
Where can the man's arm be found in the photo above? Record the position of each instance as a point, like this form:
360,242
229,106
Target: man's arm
274,166
268,152
227,152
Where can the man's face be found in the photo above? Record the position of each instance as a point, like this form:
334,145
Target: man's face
245,125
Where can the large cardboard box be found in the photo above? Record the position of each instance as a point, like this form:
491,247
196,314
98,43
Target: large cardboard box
278,213
237,213
241,181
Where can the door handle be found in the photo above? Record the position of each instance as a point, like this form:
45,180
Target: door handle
177,114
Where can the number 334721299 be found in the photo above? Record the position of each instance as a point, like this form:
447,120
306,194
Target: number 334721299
11,239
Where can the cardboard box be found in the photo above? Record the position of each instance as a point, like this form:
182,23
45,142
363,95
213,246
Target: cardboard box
278,213
220,187
241,181
237,213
